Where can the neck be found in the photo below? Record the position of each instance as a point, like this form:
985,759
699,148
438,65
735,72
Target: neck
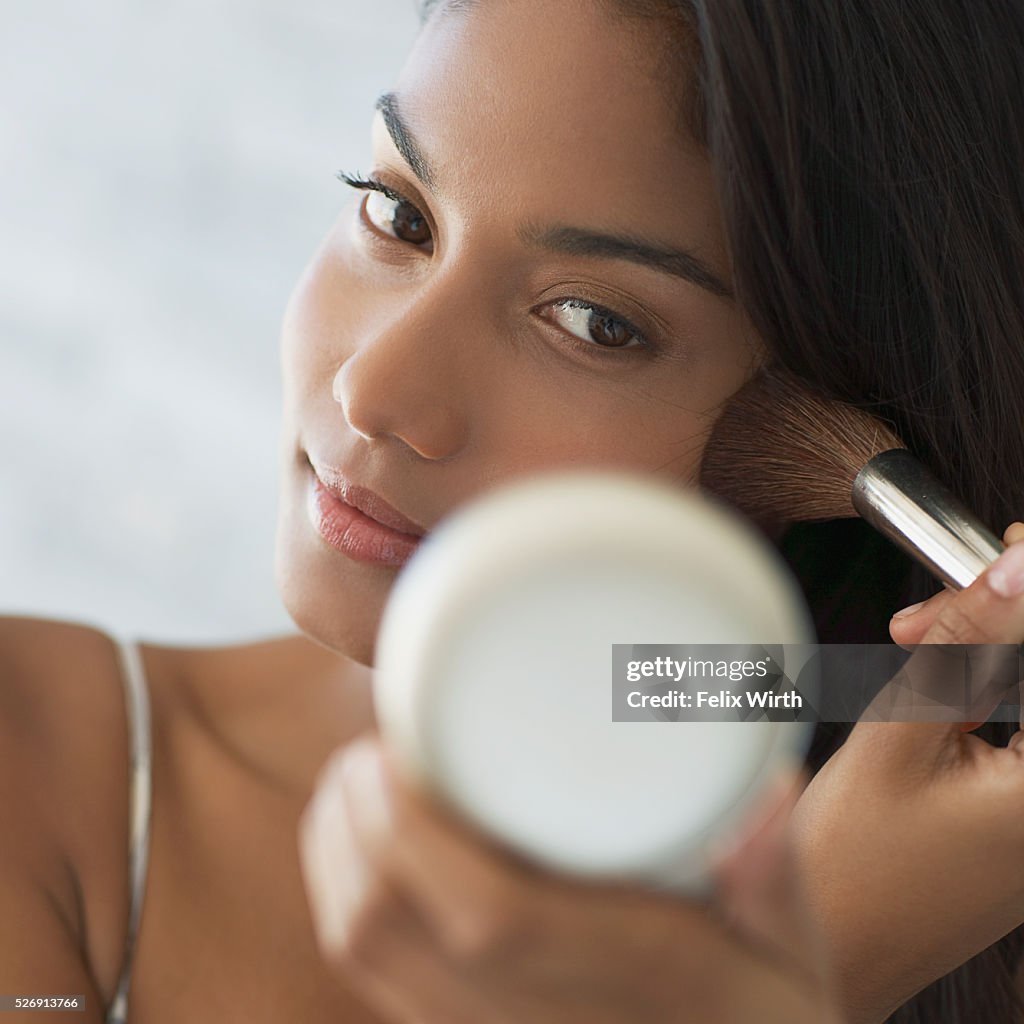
278,707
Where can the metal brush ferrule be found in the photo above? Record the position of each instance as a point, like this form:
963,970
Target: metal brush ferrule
905,502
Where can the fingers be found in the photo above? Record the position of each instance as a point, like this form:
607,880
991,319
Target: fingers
485,905
759,886
332,870
474,899
1014,533
437,927
943,631
990,610
909,625
362,919
482,907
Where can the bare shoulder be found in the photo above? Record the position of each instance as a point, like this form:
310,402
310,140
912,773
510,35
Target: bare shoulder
64,764
61,712
50,671
63,750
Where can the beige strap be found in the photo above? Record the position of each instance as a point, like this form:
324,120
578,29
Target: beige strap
140,794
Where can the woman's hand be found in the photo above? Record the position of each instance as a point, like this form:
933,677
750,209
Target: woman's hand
911,838
436,926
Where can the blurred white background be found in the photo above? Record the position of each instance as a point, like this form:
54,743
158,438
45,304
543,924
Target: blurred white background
166,170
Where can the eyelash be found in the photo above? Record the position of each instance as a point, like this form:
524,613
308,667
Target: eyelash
356,181
591,349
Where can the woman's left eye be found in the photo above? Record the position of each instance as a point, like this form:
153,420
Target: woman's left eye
390,213
398,218
595,325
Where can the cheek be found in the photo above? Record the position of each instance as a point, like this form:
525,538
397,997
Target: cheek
660,444
554,420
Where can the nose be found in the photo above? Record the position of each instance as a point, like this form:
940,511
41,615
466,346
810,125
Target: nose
405,378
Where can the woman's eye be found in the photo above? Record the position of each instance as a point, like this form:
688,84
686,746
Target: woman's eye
595,324
398,218
389,212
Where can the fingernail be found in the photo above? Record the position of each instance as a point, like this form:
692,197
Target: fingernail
909,610
1005,575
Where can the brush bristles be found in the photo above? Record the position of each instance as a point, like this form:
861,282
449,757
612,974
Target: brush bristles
781,452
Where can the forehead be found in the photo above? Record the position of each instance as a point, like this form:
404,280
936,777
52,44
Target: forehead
564,107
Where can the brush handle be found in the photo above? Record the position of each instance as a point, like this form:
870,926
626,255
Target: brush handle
905,502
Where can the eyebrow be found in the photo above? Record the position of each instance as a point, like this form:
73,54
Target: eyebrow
568,240
581,242
403,139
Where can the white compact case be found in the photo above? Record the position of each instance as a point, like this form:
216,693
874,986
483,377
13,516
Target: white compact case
493,681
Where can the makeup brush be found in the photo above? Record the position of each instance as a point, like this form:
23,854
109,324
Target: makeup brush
780,451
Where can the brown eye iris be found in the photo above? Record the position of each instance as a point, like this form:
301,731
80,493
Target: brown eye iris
596,326
391,215
608,331
409,224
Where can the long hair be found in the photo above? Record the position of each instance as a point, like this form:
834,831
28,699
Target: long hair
869,156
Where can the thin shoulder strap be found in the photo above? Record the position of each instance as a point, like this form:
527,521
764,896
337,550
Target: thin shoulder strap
140,792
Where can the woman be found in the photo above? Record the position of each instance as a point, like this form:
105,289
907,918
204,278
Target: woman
586,225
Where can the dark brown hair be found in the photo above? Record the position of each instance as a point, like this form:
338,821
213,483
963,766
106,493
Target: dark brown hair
869,156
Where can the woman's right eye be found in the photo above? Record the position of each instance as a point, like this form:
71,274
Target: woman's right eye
390,213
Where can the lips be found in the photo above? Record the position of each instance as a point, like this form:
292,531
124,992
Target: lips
358,522
362,498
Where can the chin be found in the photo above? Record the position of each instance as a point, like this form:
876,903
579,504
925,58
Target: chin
333,600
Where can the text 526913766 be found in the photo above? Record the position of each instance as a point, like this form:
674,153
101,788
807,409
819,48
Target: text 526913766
42,1002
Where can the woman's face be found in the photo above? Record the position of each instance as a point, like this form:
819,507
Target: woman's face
552,289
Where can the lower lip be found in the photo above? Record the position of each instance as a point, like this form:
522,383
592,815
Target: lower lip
355,534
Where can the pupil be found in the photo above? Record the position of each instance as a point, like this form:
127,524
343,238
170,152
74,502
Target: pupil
409,224
608,331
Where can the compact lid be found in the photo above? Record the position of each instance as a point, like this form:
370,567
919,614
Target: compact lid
494,669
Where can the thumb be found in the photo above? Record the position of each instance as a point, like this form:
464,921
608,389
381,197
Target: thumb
758,886
909,625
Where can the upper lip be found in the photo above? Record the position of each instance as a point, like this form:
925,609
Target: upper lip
368,502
